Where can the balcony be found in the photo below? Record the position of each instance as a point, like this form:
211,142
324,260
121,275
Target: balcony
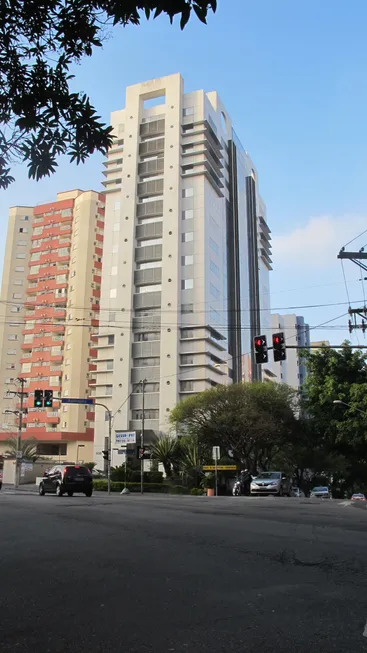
145,277
150,209
150,168
147,231
153,128
148,253
148,300
151,147
147,188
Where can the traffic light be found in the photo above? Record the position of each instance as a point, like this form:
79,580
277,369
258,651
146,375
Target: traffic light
261,349
141,453
38,399
105,454
279,350
49,394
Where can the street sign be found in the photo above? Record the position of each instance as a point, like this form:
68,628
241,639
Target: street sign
223,468
76,400
216,453
125,437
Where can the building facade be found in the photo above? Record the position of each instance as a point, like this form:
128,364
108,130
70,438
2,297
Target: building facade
60,318
293,370
185,282
13,294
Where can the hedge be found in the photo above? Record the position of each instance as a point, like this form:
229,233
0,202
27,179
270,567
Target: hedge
161,488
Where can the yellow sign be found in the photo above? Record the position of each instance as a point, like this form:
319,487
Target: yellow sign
223,468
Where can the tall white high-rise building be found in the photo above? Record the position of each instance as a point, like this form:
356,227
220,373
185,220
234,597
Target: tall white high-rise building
297,333
185,282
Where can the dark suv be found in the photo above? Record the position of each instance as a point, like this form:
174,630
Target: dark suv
66,480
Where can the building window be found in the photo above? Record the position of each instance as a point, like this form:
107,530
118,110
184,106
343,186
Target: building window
13,336
188,214
150,265
214,291
116,226
148,361
214,268
20,268
187,333
12,352
18,282
146,336
187,260
17,295
152,241
149,413
109,365
15,309
68,361
214,246
187,192
187,149
187,359
113,293
115,249
187,237
114,270
111,340
188,111
21,243
186,386
187,308
23,230
20,255
187,284
188,128
109,389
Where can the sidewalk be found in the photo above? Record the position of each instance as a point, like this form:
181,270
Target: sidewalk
30,488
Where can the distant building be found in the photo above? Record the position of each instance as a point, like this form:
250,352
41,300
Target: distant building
50,315
320,343
293,370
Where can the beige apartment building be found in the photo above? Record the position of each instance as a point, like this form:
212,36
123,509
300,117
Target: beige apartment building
185,282
58,317
13,294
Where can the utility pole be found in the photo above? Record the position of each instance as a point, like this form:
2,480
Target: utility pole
360,259
22,382
143,382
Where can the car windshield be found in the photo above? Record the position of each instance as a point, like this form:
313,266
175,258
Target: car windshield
320,489
274,475
359,494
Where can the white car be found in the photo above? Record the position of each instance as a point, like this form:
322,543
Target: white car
271,483
320,492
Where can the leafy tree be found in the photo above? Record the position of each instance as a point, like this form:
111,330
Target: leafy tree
27,447
338,375
249,419
166,450
39,41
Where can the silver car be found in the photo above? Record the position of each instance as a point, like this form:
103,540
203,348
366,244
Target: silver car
271,483
320,492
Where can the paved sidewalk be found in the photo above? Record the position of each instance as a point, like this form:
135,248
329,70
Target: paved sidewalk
22,489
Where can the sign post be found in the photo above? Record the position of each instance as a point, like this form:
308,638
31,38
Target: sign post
216,456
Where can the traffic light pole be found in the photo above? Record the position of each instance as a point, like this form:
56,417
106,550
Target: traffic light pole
142,440
109,448
19,434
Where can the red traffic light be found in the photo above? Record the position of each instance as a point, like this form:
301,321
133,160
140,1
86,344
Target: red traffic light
277,339
258,342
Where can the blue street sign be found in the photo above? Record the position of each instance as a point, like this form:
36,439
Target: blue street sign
67,400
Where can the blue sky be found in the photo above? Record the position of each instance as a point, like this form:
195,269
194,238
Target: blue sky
292,75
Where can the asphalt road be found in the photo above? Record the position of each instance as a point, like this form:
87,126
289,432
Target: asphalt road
188,575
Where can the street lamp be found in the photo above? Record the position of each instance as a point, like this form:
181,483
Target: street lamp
77,451
339,401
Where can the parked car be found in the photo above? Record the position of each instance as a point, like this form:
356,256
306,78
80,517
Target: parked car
358,497
66,480
296,492
271,483
320,492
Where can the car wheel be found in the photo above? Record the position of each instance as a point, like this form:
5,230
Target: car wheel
59,492
41,490
70,494
89,493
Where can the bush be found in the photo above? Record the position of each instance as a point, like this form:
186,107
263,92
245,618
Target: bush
133,475
197,491
161,488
